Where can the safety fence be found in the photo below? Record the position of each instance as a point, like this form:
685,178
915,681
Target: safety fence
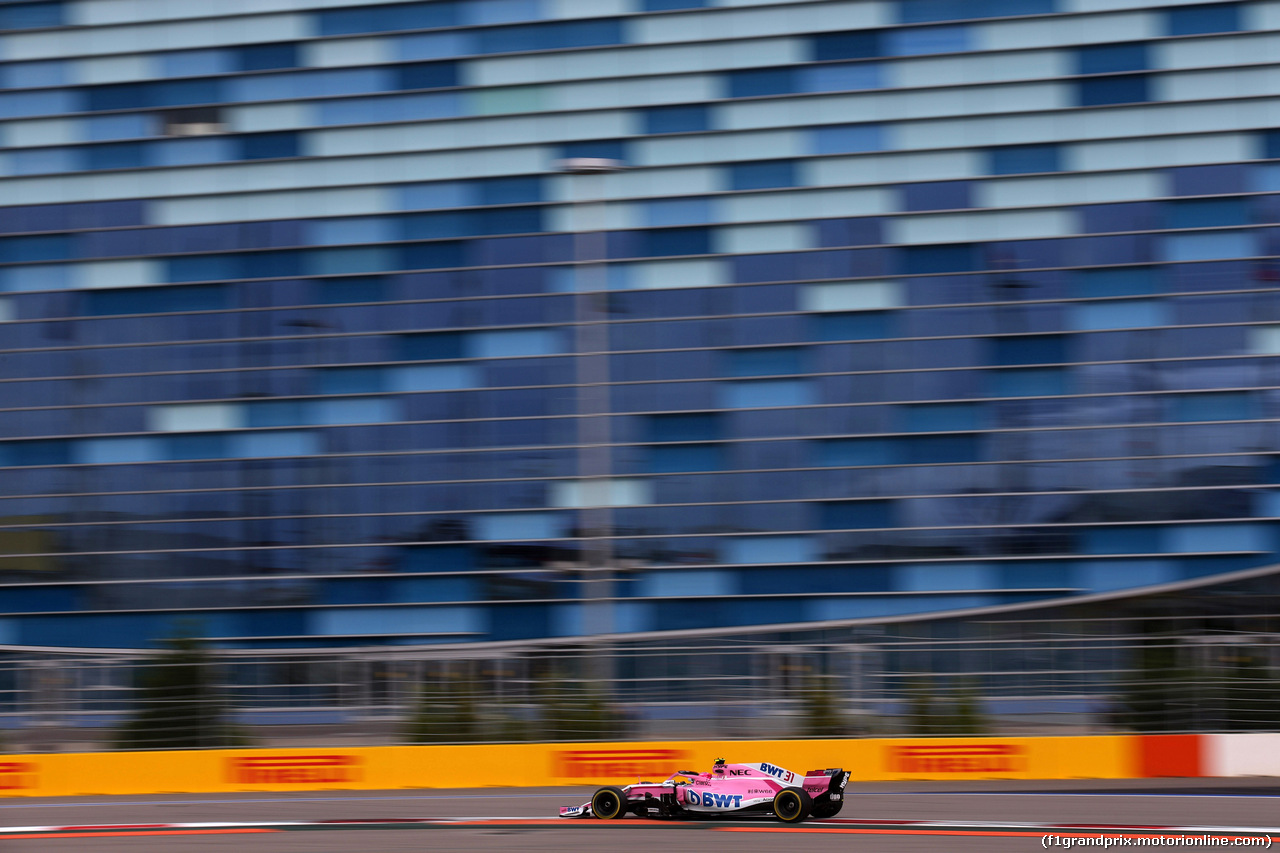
1011,681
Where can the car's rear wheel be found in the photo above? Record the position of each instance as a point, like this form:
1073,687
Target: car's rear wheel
609,803
792,805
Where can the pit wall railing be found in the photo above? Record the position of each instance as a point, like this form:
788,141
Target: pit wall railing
1010,683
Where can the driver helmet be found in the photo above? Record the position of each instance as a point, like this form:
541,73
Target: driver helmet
718,768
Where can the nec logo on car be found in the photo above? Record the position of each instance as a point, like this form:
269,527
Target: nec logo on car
715,801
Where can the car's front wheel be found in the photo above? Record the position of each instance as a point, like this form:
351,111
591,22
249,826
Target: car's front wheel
792,805
609,803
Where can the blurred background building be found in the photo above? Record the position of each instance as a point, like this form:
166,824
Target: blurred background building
890,308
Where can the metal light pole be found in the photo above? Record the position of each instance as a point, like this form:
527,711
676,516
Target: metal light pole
591,346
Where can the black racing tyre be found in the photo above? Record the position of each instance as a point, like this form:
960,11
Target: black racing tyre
792,805
826,809
609,803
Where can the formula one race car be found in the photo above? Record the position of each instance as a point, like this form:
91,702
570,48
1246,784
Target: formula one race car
729,789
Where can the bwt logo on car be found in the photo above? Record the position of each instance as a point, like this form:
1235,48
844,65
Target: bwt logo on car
715,801
294,769
784,775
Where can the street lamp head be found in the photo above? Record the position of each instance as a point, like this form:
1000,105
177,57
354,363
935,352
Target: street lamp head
589,165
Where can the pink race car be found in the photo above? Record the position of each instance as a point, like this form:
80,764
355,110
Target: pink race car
729,789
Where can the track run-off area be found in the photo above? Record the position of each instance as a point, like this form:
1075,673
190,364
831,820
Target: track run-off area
916,816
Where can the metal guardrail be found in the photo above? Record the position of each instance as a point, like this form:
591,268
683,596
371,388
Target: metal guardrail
1009,682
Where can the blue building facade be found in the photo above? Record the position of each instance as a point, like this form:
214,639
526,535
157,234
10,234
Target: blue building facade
910,306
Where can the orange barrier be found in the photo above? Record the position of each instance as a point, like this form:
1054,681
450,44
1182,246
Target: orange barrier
581,764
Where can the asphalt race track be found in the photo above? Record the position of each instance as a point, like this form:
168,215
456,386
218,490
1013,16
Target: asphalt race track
891,817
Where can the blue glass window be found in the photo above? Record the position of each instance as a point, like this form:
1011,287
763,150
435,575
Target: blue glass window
176,93
1029,349
760,81
264,146
341,291
426,346
271,413
45,247
679,211
681,119
1119,89
855,515
48,102
185,152
116,155
261,57
44,161
508,343
120,96
149,300
926,260
31,75
1118,281
434,45
1029,382
858,44
762,393
352,380
608,149
844,452
1107,58
1210,245
203,268
426,75
40,452
853,326
29,16
762,174
922,11
924,40
838,77
517,190
1206,212
667,5
375,19
562,34
197,446
687,426
680,458
1271,144
198,63
660,242
940,449
943,417
1206,18
770,361
1020,159
1119,314
1215,406
846,139
1209,180
102,128
389,108
937,195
